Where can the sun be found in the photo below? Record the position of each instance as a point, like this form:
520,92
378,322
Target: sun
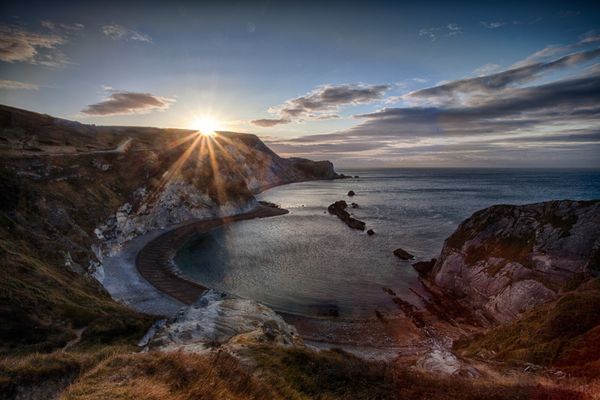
206,126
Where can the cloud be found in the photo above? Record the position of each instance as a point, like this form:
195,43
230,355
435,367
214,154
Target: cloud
505,118
540,122
60,27
123,103
322,103
16,85
435,32
20,45
332,97
454,29
119,32
486,69
557,101
589,38
455,91
493,24
269,122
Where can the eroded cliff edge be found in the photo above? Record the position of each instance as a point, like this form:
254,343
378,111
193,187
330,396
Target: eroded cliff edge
505,259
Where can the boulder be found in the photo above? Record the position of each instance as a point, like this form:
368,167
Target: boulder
351,193
505,259
403,254
370,232
220,319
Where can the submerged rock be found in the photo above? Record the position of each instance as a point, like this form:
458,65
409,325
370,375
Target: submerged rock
339,209
506,259
351,193
370,232
354,205
403,254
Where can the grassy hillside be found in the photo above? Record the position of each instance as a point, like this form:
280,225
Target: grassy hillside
61,179
564,333
282,374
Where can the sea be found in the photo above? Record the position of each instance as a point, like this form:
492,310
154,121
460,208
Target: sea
308,262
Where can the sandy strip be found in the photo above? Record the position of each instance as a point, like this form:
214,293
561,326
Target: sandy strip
151,286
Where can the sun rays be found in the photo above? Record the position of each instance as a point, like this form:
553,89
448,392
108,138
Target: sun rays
207,161
207,126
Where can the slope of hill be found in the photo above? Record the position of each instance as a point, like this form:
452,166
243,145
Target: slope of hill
71,192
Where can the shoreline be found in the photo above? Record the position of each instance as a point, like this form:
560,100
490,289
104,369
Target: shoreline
121,278
153,260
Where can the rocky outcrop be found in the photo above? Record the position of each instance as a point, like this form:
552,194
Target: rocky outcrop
403,254
339,209
506,259
217,319
424,268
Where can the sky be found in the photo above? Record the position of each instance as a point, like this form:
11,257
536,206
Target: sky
363,84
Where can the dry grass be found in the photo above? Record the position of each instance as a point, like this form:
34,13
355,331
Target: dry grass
37,368
175,376
302,374
267,373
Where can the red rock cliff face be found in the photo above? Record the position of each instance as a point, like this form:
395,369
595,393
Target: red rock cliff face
505,259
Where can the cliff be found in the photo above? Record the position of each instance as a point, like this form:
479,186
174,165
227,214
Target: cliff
504,260
562,333
72,193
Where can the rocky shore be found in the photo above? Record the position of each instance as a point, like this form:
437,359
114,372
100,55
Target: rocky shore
504,260
110,205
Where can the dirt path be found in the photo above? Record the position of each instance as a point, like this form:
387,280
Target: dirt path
73,342
154,260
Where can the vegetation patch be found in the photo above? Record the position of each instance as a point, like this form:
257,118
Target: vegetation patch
549,334
162,376
304,374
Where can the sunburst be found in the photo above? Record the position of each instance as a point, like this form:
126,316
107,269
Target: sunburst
205,125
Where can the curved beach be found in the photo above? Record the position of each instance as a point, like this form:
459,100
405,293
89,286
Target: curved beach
154,260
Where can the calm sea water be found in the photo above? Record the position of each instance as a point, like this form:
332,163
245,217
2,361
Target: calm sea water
308,262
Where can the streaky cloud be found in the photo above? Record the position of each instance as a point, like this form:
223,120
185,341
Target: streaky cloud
16,85
450,92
